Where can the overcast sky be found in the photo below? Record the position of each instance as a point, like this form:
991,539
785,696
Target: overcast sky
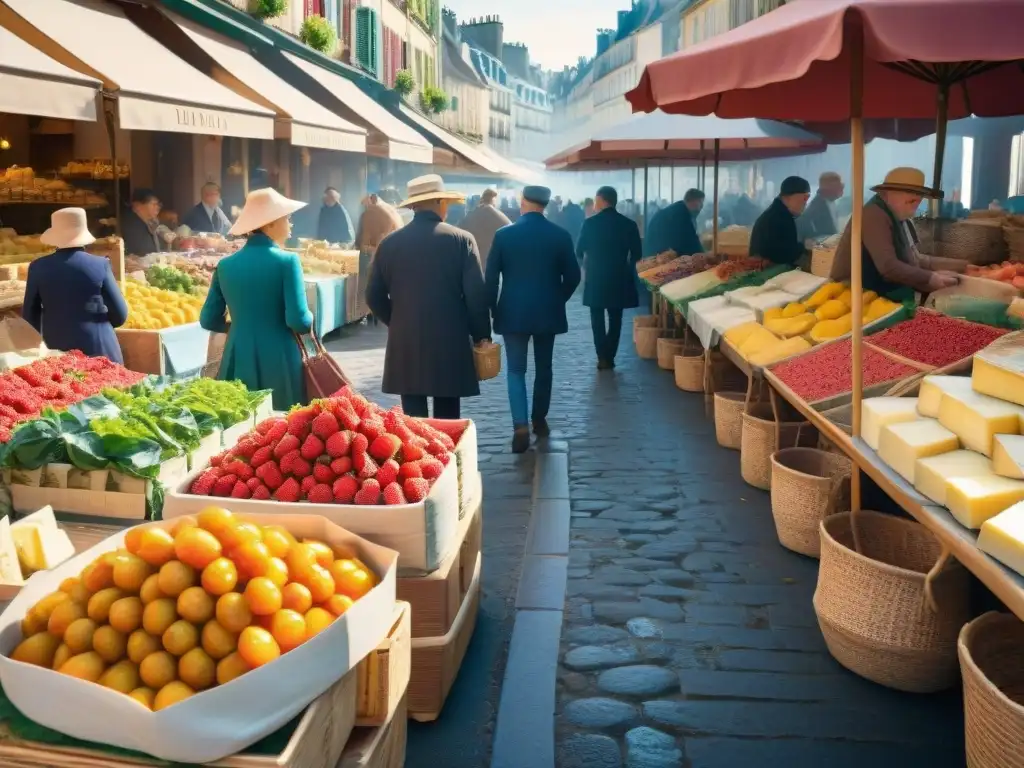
558,32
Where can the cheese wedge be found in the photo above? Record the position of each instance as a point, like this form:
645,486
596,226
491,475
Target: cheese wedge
931,474
40,543
977,419
1004,382
1002,537
901,445
934,387
878,412
1008,456
973,500
10,569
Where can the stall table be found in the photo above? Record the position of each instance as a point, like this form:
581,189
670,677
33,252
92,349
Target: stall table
180,351
327,299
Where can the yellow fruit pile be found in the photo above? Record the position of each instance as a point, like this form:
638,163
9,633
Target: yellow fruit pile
178,611
831,305
153,309
759,346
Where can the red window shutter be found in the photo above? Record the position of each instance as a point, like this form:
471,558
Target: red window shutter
346,26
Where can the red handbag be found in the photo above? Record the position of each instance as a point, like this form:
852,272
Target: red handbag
322,373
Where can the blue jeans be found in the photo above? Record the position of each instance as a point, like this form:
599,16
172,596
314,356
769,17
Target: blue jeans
516,347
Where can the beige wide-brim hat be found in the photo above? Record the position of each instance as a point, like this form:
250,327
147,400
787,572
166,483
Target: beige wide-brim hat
907,180
263,206
429,187
68,229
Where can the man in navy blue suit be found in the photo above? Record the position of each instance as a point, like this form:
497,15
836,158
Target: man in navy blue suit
531,273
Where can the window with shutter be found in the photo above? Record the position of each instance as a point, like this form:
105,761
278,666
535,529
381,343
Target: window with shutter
367,42
347,9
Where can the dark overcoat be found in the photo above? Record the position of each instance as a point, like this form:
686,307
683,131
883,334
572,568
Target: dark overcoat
72,299
672,229
609,247
198,220
531,273
774,236
426,286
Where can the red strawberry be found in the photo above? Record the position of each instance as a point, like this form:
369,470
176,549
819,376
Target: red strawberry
360,404
262,493
436,448
431,468
369,493
238,468
444,458
416,489
307,484
312,447
349,419
345,489
275,432
320,493
299,422
384,447
224,485
412,452
262,456
364,465
246,447
301,468
393,423
393,494
203,485
323,472
267,424
271,475
341,466
240,491
372,428
216,460
451,428
287,444
409,469
387,473
325,425
289,491
253,483
339,444
360,444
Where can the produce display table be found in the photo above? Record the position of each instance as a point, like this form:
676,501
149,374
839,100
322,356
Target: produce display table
326,297
180,351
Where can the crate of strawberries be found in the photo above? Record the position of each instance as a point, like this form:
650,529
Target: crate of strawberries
381,474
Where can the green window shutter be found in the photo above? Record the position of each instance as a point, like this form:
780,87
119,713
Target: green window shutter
367,43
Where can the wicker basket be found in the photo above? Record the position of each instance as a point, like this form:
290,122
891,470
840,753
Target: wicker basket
487,359
729,407
667,351
821,262
647,341
689,368
644,321
892,612
758,441
979,241
808,485
1014,237
991,652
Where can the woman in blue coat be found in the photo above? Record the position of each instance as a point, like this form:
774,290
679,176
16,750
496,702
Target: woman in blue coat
261,286
71,296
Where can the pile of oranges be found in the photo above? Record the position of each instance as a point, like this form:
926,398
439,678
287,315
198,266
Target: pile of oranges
181,610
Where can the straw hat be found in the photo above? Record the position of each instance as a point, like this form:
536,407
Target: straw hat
68,229
907,180
263,206
429,187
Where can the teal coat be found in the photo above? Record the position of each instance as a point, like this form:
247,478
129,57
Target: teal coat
261,285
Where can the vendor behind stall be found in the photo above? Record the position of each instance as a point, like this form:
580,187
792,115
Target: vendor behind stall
891,264
674,228
774,236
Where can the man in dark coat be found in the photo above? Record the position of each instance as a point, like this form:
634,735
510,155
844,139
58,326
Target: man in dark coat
572,220
138,224
334,225
673,228
609,248
533,264
207,216
774,236
483,222
819,219
426,286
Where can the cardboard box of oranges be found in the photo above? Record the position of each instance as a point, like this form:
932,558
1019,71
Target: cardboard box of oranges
191,639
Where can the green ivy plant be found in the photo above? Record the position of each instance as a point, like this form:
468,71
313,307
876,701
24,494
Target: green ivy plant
405,83
268,9
318,34
433,100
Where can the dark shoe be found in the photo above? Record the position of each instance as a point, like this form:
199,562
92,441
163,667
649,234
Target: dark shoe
521,440
541,428
603,365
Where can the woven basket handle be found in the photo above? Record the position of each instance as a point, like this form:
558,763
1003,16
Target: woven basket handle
940,564
835,494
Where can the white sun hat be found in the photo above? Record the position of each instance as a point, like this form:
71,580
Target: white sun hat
263,206
429,187
68,229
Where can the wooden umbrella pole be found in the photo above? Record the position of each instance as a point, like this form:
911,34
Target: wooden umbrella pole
941,121
646,196
856,271
714,225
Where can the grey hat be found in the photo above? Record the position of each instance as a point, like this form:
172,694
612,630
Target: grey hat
537,194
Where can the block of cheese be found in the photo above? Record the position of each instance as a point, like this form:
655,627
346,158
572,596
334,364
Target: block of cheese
934,387
998,370
1008,456
901,445
878,412
973,500
977,419
40,543
10,569
931,474
1002,537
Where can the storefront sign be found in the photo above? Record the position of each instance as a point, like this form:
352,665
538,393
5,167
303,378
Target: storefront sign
323,138
142,114
197,118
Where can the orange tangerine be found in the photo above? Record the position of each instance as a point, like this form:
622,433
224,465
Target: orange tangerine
257,646
288,628
176,577
230,667
220,576
263,596
156,546
317,620
233,612
296,597
195,605
197,547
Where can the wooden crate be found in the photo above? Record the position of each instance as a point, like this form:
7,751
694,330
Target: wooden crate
380,747
384,674
436,597
143,351
436,660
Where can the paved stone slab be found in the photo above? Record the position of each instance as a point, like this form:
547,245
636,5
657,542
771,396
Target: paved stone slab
542,583
549,528
700,613
621,612
736,637
552,477
641,680
771,686
797,753
599,712
649,748
589,750
596,634
797,662
591,657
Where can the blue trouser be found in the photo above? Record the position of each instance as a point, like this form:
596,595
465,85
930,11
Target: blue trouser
516,348
606,339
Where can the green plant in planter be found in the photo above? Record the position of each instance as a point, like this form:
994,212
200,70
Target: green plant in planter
268,9
433,100
404,83
318,34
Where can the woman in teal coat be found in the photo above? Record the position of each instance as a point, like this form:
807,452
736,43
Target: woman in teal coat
261,286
